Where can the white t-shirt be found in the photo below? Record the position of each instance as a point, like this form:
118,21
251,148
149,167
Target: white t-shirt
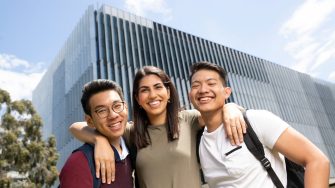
225,165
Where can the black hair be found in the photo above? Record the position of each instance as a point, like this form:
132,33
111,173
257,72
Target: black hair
204,65
94,87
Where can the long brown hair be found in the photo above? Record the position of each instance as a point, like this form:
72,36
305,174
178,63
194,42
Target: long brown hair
141,120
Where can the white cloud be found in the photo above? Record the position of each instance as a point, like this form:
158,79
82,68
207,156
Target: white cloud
309,16
19,84
145,7
8,61
310,35
332,76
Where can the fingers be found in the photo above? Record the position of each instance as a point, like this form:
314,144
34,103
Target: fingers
112,170
109,172
229,132
100,167
243,124
104,161
239,131
106,170
235,134
97,168
234,130
103,172
234,124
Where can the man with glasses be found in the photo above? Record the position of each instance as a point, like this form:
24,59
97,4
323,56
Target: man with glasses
106,111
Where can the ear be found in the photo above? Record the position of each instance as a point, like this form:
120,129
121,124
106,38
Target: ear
89,121
227,91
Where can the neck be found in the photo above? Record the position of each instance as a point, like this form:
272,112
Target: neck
116,142
159,119
212,119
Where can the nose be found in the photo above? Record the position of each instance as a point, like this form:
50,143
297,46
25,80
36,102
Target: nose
203,88
112,114
152,93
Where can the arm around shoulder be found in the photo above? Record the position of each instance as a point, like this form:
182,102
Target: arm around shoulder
300,150
103,152
84,133
234,123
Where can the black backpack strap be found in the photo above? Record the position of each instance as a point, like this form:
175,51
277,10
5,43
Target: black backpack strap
199,134
295,174
88,150
256,148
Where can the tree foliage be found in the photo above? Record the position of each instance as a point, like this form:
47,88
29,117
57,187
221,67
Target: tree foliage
22,149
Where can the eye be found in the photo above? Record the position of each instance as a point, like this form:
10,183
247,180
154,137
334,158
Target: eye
195,86
211,83
101,110
143,90
159,86
117,106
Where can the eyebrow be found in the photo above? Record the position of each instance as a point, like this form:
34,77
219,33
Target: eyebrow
157,84
209,79
103,106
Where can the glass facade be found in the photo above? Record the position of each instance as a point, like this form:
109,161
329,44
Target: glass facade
113,44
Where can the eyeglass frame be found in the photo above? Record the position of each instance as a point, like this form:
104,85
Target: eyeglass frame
108,109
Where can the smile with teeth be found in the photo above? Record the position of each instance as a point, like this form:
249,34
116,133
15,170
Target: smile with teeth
204,99
116,125
154,103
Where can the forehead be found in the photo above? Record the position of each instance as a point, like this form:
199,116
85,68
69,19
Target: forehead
204,74
104,98
149,80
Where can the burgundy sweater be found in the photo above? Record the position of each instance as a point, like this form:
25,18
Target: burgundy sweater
76,173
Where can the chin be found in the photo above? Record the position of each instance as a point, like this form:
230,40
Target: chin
205,110
156,112
116,135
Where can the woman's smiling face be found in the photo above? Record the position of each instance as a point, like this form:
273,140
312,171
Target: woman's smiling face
153,97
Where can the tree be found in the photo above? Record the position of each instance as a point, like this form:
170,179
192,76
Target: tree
23,152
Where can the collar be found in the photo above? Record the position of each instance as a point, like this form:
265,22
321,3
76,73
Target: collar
124,153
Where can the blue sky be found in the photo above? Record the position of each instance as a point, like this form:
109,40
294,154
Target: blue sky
296,34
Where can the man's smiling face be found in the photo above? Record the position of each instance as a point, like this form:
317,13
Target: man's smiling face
208,93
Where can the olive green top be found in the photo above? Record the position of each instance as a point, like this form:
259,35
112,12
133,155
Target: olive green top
165,164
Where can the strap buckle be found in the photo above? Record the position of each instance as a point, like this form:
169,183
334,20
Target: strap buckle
266,163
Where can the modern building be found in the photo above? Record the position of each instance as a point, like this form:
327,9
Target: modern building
110,43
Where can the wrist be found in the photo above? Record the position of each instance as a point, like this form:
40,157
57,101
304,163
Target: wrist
98,138
236,106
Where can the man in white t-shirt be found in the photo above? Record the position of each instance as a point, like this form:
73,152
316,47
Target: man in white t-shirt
225,165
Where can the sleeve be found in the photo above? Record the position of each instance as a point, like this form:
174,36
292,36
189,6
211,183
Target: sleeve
76,172
191,117
267,126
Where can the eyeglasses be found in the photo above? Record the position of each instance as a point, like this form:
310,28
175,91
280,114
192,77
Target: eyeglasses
117,107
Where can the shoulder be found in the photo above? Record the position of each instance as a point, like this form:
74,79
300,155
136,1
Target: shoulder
76,171
189,114
267,125
258,114
76,158
261,117
190,119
